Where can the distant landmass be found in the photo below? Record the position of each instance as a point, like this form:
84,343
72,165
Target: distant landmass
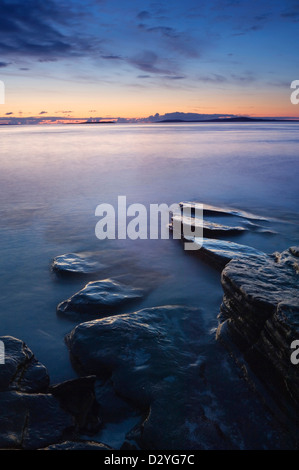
175,117
230,119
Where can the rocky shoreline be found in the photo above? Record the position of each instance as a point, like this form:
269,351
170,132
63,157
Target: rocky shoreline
153,363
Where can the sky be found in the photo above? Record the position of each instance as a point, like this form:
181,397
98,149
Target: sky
107,59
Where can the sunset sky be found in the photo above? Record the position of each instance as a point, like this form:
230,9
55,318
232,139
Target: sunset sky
135,58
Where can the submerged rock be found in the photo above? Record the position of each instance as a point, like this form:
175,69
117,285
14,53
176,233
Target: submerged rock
99,298
220,252
21,370
154,359
260,312
77,263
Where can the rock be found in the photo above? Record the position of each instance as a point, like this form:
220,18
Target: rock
99,298
209,209
21,371
77,397
30,421
209,229
220,252
153,359
260,312
33,414
77,263
78,445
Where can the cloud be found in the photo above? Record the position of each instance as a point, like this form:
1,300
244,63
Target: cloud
4,64
214,78
178,41
42,30
174,77
8,114
43,112
150,62
144,15
112,57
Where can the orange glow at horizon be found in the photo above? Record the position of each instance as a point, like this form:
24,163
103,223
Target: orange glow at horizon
108,103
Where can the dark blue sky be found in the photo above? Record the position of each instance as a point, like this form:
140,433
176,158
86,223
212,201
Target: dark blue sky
134,58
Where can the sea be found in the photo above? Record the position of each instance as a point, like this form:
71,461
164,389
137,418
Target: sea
53,177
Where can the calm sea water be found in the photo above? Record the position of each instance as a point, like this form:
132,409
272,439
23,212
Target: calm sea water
52,178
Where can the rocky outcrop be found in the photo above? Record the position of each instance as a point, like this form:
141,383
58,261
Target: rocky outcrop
153,358
21,370
260,313
99,298
35,415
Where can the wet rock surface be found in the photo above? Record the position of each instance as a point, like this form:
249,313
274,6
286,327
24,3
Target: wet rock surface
158,360
21,371
149,355
77,397
34,414
260,312
220,252
209,209
77,263
99,298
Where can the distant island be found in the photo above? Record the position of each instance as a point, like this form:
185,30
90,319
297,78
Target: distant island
229,119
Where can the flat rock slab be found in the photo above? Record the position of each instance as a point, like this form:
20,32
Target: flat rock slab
261,313
21,370
207,228
100,298
153,358
209,209
220,252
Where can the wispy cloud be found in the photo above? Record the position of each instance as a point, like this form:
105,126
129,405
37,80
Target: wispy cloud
150,62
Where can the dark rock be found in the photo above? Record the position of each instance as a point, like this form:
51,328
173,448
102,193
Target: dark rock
99,298
260,312
30,421
78,398
21,371
152,358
